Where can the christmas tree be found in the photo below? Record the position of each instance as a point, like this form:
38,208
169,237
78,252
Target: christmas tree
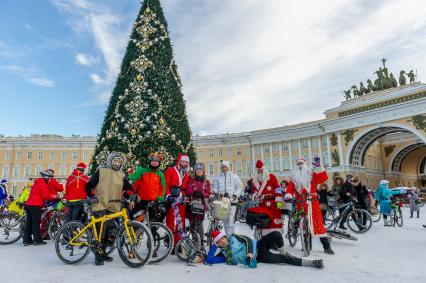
146,111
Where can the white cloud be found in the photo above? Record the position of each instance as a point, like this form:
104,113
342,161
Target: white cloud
30,74
85,59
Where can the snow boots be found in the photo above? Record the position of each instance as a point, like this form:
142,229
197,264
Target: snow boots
386,222
326,245
312,263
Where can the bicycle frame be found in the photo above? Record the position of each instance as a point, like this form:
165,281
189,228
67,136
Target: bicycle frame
97,234
348,207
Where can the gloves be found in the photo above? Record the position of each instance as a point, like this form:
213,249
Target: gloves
160,198
93,200
317,161
251,262
279,205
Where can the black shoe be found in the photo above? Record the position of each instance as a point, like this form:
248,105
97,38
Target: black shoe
107,258
40,243
99,259
173,252
99,262
329,251
28,243
318,263
424,226
343,227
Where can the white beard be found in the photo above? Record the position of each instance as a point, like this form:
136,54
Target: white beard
301,178
260,177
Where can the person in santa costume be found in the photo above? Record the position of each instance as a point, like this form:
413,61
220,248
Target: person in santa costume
304,184
75,192
177,178
269,196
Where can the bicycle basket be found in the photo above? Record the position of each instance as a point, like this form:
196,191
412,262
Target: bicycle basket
258,220
220,209
197,207
330,201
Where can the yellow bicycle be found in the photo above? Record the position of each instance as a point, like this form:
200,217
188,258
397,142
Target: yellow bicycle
134,240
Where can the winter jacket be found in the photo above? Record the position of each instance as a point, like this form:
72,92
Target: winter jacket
228,183
3,194
383,196
76,186
40,193
239,246
198,187
174,179
55,187
335,190
361,193
414,198
323,198
150,184
347,188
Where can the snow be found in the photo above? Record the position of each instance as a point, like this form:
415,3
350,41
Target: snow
384,254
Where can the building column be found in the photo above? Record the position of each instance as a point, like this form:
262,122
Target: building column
339,143
261,152
309,151
271,157
290,154
330,162
320,148
252,159
281,156
299,147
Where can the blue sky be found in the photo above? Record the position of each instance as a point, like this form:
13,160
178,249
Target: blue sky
245,65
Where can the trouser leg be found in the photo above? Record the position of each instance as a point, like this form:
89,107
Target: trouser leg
35,225
229,223
274,240
28,226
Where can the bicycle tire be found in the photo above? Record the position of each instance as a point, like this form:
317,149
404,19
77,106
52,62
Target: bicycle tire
127,252
62,239
329,218
355,223
166,239
185,249
399,218
7,226
291,231
375,214
391,218
305,238
55,224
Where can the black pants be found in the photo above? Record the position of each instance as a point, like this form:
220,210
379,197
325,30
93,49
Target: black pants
75,210
32,224
274,240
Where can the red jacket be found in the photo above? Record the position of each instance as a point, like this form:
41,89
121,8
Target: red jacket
40,193
75,188
173,179
55,187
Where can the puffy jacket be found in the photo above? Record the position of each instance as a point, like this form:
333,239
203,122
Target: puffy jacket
347,188
202,186
75,188
150,184
40,193
240,246
55,187
228,183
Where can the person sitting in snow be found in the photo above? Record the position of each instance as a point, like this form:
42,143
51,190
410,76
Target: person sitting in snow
238,249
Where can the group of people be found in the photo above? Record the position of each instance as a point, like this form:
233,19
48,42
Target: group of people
178,190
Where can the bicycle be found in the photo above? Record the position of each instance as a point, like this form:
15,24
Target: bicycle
358,220
298,226
134,240
241,210
215,223
52,218
11,225
375,213
396,212
162,235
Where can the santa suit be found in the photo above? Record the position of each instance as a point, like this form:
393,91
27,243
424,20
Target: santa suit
268,193
176,178
312,207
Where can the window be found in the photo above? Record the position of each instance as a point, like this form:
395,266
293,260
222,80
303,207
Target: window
52,155
305,143
276,164
14,191
268,164
74,155
27,171
63,170
211,168
219,152
5,172
72,167
51,166
211,153
294,145
64,155
258,148
286,163
325,158
7,155
306,157
324,140
16,171
238,150
314,142
239,168
29,155
276,147
18,155
199,154
248,151
86,155
285,146
266,148
37,170
229,152
248,168
40,155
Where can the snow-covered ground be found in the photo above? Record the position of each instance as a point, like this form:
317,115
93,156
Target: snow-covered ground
384,254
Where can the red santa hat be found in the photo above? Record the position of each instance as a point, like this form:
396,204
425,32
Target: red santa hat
300,159
182,157
259,164
81,165
217,235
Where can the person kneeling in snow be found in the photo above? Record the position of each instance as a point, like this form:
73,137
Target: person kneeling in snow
237,249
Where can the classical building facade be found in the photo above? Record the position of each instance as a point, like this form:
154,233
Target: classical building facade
377,135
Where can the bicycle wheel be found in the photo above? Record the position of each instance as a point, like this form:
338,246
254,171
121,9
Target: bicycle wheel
391,218
163,241
375,214
305,238
398,217
11,228
186,249
72,253
44,227
55,223
291,231
139,252
329,219
359,220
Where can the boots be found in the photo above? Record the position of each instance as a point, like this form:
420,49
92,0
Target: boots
411,214
418,214
386,222
313,263
326,246
105,256
99,259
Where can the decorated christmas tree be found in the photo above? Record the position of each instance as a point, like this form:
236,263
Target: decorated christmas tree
146,111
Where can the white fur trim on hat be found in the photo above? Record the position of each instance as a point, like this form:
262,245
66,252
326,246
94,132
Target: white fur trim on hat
226,163
219,236
383,182
184,158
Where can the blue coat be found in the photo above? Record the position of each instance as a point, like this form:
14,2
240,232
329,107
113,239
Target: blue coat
3,194
240,247
383,195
